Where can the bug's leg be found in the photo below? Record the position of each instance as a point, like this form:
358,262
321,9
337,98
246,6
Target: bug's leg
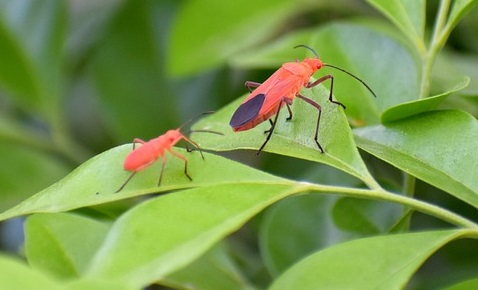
194,144
163,164
290,112
272,125
251,85
271,130
188,149
127,180
185,163
316,137
322,79
137,141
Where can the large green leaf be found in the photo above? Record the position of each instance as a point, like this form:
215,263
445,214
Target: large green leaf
384,262
390,70
31,40
95,181
438,147
207,32
17,275
52,246
407,15
296,137
166,233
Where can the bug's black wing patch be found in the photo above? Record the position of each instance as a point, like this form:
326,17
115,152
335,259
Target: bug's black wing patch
247,111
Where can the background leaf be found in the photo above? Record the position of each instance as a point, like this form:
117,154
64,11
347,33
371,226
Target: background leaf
469,284
19,161
135,65
51,245
32,35
395,259
407,15
213,270
219,29
16,275
451,166
458,10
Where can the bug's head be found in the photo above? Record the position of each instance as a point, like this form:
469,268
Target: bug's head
173,136
314,63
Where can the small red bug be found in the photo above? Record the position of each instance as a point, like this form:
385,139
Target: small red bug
142,157
280,89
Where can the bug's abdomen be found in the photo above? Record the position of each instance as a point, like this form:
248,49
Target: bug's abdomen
140,158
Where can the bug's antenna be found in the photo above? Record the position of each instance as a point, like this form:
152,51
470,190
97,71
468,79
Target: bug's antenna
350,74
205,131
194,118
309,48
338,68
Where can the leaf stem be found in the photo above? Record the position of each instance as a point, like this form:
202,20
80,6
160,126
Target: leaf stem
437,42
408,184
381,194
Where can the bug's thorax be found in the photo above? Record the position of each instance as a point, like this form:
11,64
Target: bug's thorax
304,69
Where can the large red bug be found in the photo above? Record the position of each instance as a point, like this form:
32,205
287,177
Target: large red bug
280,89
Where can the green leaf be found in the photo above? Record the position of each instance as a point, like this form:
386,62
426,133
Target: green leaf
95,181
128,71
296,227
384,262
20,162
366,217
451,163
17,275
407,15
458,11
296,137
164,234
31,37
416,107
52,246
213,270
334,43
465,285
97,284
207,32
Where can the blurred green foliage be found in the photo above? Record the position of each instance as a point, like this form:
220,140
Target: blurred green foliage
80,77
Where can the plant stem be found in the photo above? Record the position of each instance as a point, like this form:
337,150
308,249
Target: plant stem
408,184
437,42
381,194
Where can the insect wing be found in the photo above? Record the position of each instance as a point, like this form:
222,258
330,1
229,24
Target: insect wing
247,111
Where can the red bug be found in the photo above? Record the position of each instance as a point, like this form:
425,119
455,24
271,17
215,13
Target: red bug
280,89
150,151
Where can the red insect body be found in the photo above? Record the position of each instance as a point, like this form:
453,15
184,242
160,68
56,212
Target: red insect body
280,89
286,83
150,151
